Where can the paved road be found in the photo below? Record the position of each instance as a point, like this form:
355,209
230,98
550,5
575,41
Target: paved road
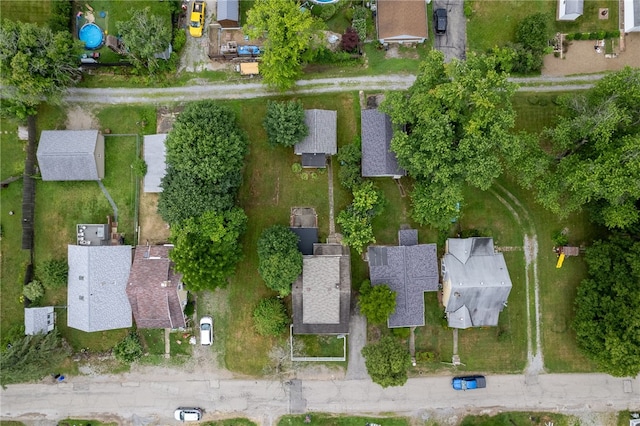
155,397
454,43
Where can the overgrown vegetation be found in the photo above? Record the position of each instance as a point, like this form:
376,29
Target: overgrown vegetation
270,317
129,349
279,257
355,220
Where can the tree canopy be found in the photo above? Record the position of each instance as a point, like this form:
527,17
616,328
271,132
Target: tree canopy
280,261
594,155
607,321
288,29
376,302
355,220
36,64
207,249
452,127
145,34
387,362
285,123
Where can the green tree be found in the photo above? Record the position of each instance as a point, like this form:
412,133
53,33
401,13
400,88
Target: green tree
145,34
607,321
285,123
387,362
593,159
270,317
128,349
33,291
533,33
32,357
377,302
36,65
53,273
280,261
288,29
452,128
350,157
355,220
207,248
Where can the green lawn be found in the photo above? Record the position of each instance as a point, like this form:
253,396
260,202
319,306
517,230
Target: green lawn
232,422
34,11
321,419
483,32
320,346
520,419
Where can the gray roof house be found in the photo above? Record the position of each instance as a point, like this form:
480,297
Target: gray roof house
570,10
96,294
631,15
154,155
475,284
410,269
322,294
377,158
227,13
39,320
71,155
322,140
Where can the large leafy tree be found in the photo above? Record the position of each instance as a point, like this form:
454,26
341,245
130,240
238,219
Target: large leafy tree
387,362
36,64
288,29
145,34
593,159
207,248
377,302
607,319
280,261
285,123
452,126
355,219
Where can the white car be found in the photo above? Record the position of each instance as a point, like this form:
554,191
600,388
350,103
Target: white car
184,414
206,331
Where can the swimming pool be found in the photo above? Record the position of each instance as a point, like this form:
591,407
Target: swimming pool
91,35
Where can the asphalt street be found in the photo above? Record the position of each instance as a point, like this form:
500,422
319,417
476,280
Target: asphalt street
454,42
129,396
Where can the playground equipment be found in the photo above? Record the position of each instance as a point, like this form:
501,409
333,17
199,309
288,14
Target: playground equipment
564,252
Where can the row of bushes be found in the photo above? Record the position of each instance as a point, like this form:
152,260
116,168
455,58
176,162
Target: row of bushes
596,35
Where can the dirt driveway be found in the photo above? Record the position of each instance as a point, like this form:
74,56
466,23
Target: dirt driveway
582,58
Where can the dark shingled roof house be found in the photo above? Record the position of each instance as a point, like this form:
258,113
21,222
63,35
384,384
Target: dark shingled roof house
322,140
402,21
410,269
154,289
322,294
71,155
377,158
476,282
96,292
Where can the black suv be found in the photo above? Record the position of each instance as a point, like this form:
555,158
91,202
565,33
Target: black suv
440,21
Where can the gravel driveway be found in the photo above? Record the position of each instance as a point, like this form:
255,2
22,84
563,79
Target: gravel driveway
454,43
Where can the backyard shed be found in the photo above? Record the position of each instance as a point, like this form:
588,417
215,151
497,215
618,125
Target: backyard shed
322,140
570,10
377,158
227,13
39,320
97,283
71,155
155,156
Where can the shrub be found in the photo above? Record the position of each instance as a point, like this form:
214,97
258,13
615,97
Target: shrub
129,349
612,34
33,291
348,14
601,35
533,32
593,36
569,36
559,239
402,332
350,40
179,39
327,11
270,317
279,260
377,302
189,308
60,19
53,273
359,22
468,8
139,167
349,157
296,167
577,36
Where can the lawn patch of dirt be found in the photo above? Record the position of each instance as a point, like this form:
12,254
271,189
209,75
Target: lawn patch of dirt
80,118
152,227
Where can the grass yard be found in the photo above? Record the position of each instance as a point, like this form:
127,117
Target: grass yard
520,419
34,11
239,421
152,340
320,346
82,422
269,190
483,33
321,419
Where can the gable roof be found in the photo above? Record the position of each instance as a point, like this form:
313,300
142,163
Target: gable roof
476,282
322,137
402,20
155,154
377,158
569,10
153,289
322,294
71,155
227,10
96,292
38,320
409,270
631,15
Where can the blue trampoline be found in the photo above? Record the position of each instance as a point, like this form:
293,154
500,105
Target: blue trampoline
91,35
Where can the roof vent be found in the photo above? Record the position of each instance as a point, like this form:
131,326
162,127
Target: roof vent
81,277
81,297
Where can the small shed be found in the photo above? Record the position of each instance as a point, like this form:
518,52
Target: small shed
227,13
71,155
39,320
570,10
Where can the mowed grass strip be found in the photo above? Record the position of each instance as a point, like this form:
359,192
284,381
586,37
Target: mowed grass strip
33,11
322,419
269,190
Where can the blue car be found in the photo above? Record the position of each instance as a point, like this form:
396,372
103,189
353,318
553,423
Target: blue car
468,382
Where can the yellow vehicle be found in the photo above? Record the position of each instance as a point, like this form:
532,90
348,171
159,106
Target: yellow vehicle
196,20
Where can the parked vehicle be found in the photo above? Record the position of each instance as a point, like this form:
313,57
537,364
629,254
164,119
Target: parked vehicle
440,21
184,414
468,382
196,19
206,331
